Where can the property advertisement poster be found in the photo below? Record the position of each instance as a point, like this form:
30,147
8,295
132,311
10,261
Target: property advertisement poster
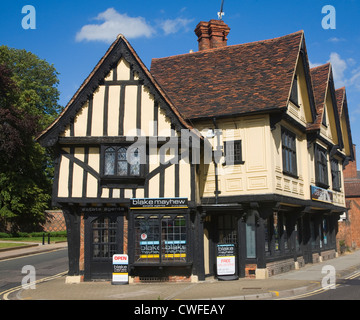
225,261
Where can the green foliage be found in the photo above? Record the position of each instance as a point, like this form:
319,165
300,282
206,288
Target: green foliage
54,234
28,104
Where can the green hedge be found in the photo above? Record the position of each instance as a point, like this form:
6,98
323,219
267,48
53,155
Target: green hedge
33,234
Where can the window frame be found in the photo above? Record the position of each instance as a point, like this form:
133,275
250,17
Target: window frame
115,179
163,257
294,94
289,153
321,167
237,157
335,174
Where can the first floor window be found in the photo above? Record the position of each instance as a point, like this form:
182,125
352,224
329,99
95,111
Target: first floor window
289,152
160,238
233,152
321,169
336,175
121,161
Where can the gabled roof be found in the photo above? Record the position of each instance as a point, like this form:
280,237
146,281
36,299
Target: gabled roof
118,49
238,79
322,79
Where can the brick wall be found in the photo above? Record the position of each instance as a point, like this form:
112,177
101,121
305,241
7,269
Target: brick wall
349,230
54,221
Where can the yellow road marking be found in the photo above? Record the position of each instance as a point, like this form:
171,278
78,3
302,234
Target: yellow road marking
7,292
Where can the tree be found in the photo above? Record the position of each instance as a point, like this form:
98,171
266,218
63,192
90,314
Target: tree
28,103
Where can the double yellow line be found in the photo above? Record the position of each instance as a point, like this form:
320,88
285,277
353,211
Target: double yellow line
6,293
318,291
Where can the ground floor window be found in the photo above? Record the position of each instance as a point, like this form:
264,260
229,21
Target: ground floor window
160,238
250,237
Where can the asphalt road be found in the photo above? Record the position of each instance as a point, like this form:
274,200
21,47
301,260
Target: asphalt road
42,265
344,289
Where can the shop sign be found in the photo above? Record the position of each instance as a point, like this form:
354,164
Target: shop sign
159,203
226,261
170,249
120,269
320,194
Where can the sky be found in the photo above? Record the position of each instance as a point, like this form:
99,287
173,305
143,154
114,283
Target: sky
74,35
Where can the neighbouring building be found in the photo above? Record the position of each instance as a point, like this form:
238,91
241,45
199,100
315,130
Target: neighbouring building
232,149
349,225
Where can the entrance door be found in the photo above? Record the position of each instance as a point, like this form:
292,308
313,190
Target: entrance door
219,229
105,238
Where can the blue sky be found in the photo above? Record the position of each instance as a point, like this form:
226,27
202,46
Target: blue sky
73,35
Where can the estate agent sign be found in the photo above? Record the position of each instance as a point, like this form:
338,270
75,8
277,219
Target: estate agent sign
226,262
120,269
159,203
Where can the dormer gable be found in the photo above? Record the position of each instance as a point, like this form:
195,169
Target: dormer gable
345,122
301,103
327,121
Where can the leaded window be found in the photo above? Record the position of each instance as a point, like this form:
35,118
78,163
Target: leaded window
121,161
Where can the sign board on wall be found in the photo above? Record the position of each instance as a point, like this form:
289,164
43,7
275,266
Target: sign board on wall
226,262
120,269
159,203
320,194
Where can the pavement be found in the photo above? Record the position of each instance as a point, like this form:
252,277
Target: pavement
284,286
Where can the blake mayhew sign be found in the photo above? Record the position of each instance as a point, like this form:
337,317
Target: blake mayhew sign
156,203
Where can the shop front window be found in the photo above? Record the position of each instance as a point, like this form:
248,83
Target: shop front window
160,239
250,237
276,232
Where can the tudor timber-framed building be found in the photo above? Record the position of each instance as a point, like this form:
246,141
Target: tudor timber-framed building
273,187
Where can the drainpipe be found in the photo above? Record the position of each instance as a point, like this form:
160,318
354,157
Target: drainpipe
216,158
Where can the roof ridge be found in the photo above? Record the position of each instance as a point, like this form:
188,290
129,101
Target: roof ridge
300,32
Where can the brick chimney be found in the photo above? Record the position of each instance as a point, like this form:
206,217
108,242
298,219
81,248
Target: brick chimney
212,34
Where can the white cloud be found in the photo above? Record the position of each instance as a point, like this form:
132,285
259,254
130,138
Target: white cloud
341,77
173,26
338,67
314,65
112,24
336,40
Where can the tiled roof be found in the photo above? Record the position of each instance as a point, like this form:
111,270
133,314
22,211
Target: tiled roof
252,77
352,188
340,96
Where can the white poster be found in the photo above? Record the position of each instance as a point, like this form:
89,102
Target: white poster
226,265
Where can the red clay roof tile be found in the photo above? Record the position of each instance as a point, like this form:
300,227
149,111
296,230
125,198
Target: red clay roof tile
252,77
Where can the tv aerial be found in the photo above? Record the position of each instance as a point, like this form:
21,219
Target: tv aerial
221,13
